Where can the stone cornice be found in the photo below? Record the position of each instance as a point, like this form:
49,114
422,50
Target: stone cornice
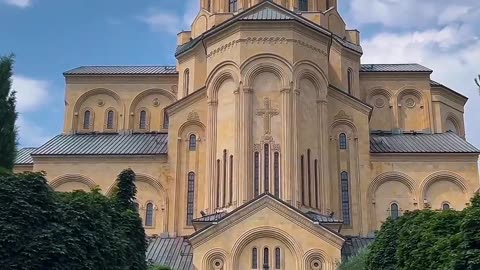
186,101
123,79
344,97
423,157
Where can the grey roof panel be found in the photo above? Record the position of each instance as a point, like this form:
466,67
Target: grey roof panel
267,13
322,218
122,70
177,252
353,245
437,84
23,156
448,142
105,144
211,217
394,68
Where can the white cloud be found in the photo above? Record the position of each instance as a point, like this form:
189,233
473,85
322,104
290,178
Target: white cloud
168,22
31,134
31,93
19,3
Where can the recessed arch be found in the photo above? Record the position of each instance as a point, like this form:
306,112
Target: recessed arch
343,122
223,72
188,124
376,91
391,176
68,178
310,71
443,176
93,92
456,123
409,90
212,255
140,177
151,91
316,254
271,63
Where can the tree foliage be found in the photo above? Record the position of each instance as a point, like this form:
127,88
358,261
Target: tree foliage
358,262
429,240
126,189
8,115
43,229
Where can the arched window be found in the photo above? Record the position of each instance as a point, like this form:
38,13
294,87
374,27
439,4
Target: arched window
230,195
218,183
394,213
256,174
190,197
309,179
303,5
232,6
254,258
267,167
277,258
302,179
186,81
224,193
143,120
342,141
316,185
87,120
110,117
192,143
345,198
266,258
276,174
445,206
350,80
149,215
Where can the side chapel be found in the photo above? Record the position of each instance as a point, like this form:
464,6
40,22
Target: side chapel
269,145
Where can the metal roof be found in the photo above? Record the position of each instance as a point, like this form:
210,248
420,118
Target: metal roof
322,218
211,217
448,142
23,156
176,253
122,70
437,84
105,144
354,244
267,13
394,68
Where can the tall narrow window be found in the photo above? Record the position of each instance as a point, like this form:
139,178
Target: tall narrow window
350,80
137,206
394,213
303,5
165,120
277,258
190,197
276,174
192,143
316,185
302,179
266,258
267,168
230,195
254,258
445,206
342,141
186,81
233,6
309,178
345,198
224,193
149,215
256,174
86,120
143,120
218,183
110,116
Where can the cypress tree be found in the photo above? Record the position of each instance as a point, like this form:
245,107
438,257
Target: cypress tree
8,115
126,189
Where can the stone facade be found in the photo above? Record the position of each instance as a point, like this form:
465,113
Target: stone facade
268,98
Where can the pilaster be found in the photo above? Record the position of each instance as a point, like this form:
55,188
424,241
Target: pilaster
287,158
211,155
324,162
295,181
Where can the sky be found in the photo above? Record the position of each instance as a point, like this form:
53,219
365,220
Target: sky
49,37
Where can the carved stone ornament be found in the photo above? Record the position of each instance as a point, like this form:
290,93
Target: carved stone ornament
156,102
410,103
174,89
100,102
267,113
316,264
217,264
342,115
193,115
379,102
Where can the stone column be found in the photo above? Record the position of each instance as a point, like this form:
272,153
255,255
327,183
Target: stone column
324,162
211,155
287,159
237,150
294,187
245,176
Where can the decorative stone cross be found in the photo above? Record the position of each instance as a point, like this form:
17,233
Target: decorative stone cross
267,113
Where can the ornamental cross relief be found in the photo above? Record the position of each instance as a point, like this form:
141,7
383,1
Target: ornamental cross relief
267,113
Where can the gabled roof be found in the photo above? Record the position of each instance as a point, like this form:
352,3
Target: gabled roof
268,11
354,244
23,156
176,252
448,142
394,68
105,144
437,84
122,70
324,219
211,218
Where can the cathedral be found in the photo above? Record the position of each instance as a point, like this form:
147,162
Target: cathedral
269,145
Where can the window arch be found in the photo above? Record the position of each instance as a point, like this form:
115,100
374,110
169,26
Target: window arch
256,174
254,258
342,141
110,119
345,198
266,168
277,258
309,179
394,212
149,215
446,206
186,81
276,174
266,258
303,5
302,178
232,7
230,195
87,117
224,191
192,142
190,197
143,120
350,80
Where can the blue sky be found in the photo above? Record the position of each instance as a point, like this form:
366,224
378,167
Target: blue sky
52,36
